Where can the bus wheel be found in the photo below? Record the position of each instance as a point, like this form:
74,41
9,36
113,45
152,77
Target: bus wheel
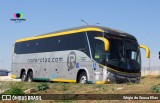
23,77
83,78
30,77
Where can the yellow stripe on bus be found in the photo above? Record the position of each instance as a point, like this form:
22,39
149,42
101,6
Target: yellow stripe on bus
59,34
64,80
13,76
100,82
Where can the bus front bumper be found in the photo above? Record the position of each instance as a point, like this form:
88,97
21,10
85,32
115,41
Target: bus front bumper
123,78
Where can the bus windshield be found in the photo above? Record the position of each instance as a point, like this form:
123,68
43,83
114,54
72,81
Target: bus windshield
124,55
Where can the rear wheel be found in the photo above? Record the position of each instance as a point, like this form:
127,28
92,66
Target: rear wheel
82,78
30,77
23,77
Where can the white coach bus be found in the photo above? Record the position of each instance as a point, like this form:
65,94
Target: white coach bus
87,54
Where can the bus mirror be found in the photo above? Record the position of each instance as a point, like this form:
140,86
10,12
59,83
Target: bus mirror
147,50
106,42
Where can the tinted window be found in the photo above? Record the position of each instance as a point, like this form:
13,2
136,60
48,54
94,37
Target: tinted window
93,41
116,52
75,41
123,54
99,54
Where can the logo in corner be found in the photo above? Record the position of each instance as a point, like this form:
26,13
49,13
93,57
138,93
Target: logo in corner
18,17
71,60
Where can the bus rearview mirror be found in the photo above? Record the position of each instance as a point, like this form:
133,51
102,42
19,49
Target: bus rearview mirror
147,50
106,42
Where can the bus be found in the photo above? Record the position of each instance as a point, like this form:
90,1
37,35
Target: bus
86,54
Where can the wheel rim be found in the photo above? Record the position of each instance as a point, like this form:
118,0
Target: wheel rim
83,79
30,76
23,77
29,79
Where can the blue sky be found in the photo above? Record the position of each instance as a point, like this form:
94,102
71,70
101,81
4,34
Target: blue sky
140,18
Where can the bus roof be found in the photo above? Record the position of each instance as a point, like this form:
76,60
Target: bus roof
79,29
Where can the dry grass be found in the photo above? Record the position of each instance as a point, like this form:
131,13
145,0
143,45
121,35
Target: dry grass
71,88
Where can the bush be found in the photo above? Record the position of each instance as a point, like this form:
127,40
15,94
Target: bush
42,86
15,91
156,89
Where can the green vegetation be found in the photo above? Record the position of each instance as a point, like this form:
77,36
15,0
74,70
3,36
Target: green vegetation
156,89
15,91
42,86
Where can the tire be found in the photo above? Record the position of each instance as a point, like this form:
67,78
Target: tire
23,77
83,78
30,77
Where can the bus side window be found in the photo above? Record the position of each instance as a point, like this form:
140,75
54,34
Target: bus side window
99,54
78,42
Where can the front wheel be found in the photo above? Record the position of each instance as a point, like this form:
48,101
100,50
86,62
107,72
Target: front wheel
30,77
82,78
23,77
